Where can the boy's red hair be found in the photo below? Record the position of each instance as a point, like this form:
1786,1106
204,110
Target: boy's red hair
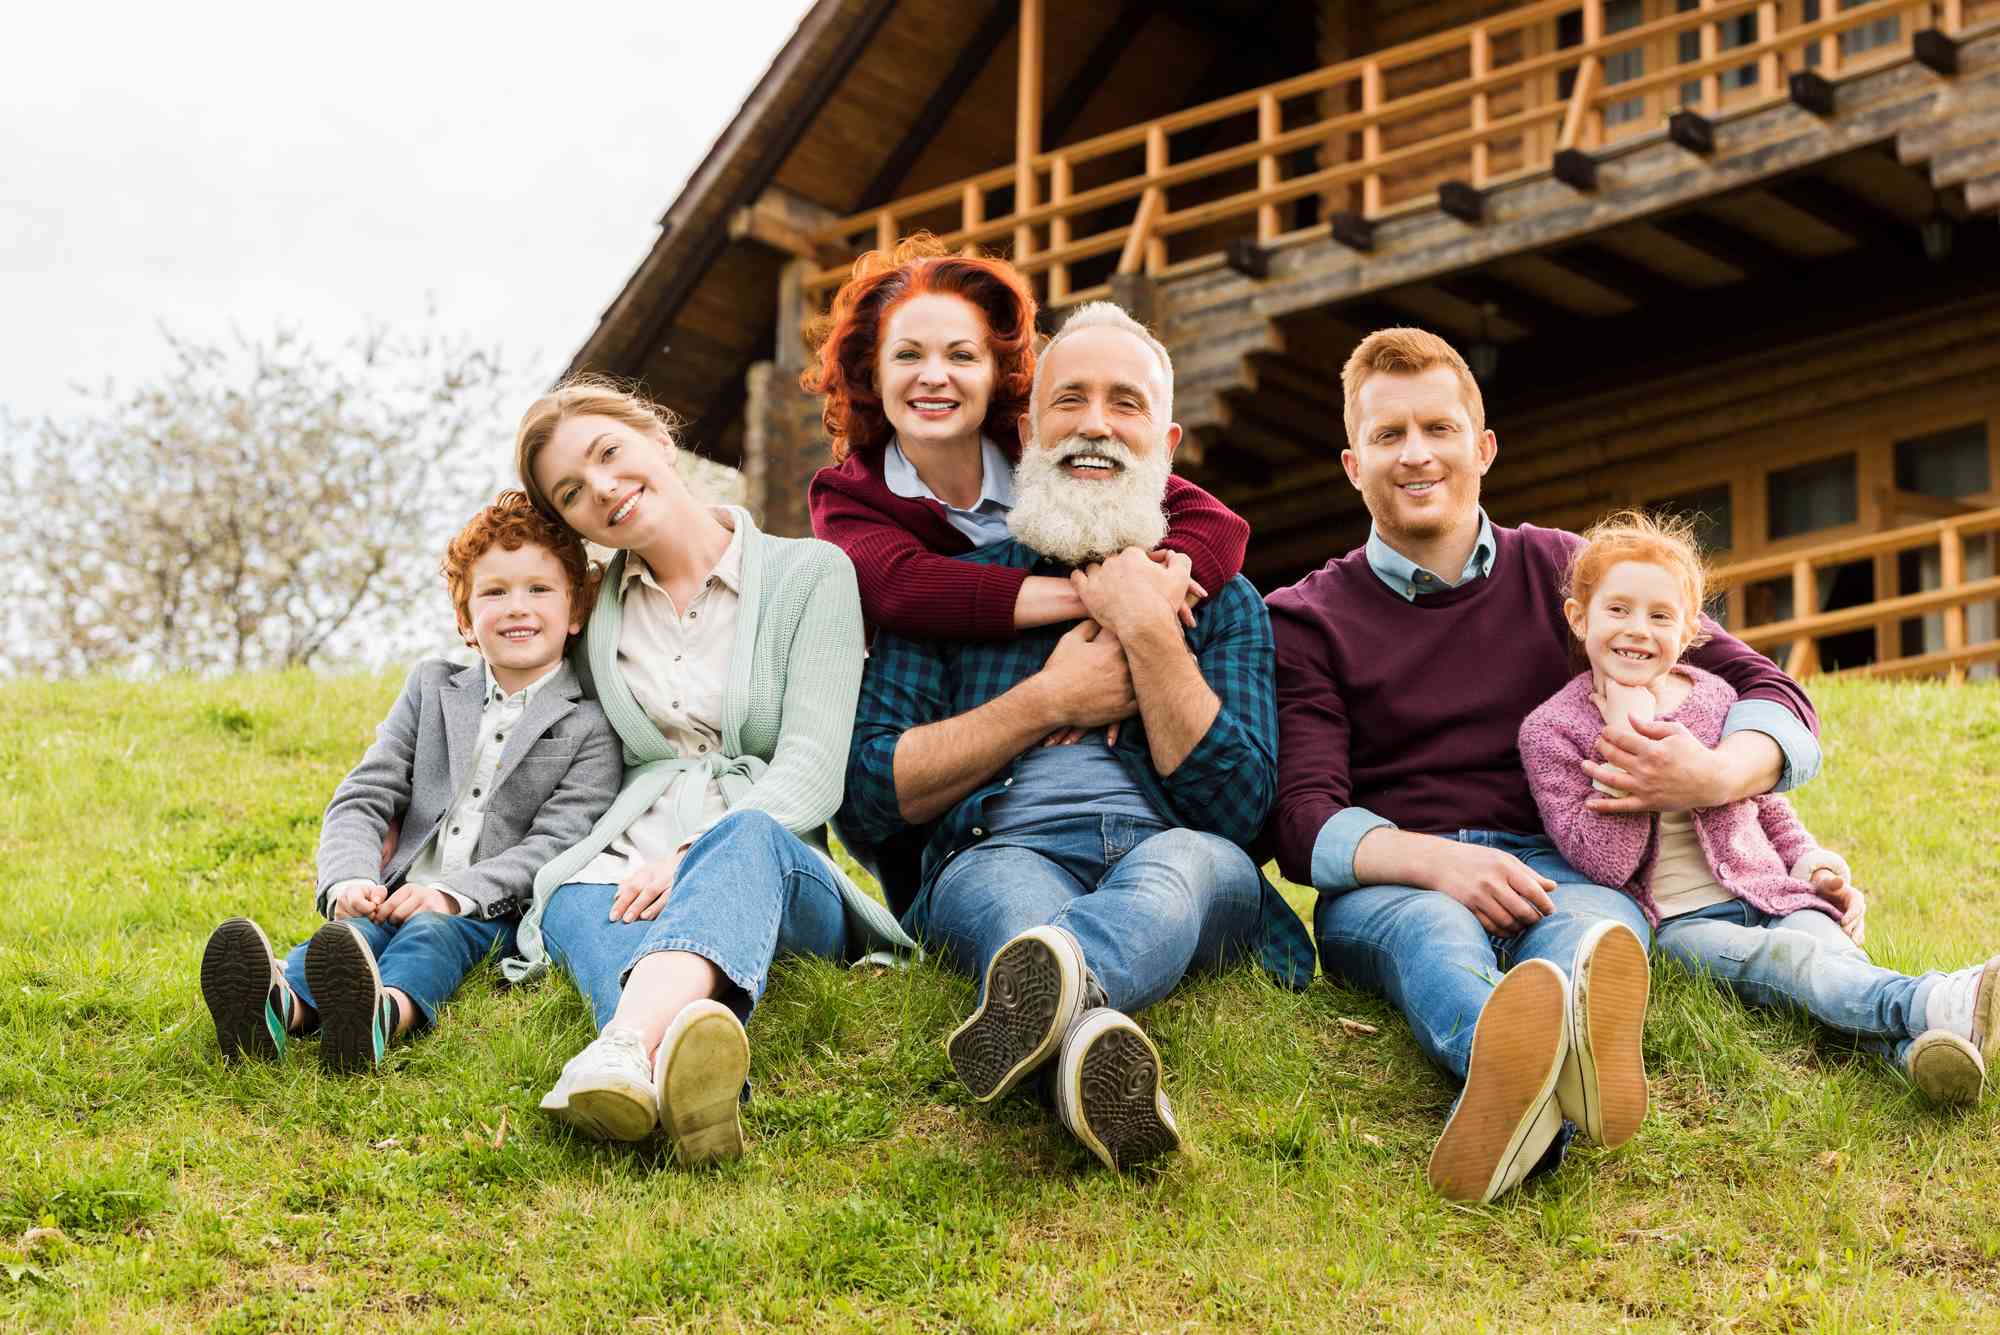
512,522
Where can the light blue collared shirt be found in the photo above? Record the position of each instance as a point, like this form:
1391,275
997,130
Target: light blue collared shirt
985,522
1335,845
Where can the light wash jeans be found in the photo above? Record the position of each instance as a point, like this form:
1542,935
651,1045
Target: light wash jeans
1430,956
1802,960
426,957
1147,902
747,892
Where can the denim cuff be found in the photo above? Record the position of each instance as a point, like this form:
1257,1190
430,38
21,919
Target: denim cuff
1794,739
1333,849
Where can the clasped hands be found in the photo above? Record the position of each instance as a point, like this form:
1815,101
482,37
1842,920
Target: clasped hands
380,904
1123,592
1655,764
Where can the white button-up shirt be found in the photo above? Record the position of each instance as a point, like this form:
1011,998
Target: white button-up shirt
676,663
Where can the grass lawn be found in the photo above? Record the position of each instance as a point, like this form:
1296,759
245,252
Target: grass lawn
1781,1182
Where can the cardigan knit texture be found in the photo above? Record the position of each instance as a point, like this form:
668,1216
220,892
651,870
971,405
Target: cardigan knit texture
1757,849
787,716
902,548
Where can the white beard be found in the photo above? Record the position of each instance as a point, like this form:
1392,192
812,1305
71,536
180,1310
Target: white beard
1077,522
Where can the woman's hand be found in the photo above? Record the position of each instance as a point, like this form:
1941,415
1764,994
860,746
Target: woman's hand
1853,905
643,892
1189,593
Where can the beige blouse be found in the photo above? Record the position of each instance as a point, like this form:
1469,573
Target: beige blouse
1682,881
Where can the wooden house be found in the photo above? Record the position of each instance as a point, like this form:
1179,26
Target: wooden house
1734,257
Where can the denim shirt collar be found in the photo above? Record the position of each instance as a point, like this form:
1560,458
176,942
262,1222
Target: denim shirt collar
1409,579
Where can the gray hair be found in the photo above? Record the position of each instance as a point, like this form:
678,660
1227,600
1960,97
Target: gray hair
1108,315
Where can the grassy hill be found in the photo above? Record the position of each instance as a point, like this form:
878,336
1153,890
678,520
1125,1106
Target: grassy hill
1781,1182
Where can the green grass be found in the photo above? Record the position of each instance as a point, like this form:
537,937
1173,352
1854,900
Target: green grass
1782,1182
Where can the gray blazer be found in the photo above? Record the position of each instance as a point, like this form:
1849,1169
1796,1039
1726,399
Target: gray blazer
559,771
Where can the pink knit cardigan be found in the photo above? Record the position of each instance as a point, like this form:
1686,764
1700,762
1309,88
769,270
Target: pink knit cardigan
1757,849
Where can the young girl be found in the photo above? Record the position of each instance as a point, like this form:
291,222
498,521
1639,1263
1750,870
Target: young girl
728,660
1741,893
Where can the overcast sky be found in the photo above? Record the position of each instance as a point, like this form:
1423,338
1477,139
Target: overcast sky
211,165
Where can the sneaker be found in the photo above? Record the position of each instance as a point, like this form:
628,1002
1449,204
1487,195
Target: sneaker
356,1017
1967,1003
1034,992
1945,1068
246,992
1108,1091
1603,1083
698,1081
606,1090
1508,1113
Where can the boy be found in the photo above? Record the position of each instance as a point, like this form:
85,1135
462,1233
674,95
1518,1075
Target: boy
488,771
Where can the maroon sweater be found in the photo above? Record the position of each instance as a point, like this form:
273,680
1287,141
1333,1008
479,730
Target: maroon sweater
902,548
1412,709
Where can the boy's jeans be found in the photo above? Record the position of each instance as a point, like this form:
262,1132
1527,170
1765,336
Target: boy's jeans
1146,902
1803,960
1430,956
426,957
747,892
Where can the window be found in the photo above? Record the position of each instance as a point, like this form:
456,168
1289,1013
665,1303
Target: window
1870,37
1624,66
1811,496
1947,464
1710,510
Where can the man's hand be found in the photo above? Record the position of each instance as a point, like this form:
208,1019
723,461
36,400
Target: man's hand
643,892
1659,766
1498,887
1853,905
1130,589
1088,678
360,901
411,900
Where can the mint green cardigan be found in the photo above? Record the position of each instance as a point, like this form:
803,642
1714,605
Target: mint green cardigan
787,716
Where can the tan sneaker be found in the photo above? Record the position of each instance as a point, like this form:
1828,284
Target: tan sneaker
1945,1068
606,1090
698,1076
1508,1114
1602,1087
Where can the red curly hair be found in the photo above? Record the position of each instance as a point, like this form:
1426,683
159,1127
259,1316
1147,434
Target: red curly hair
846,339
512,522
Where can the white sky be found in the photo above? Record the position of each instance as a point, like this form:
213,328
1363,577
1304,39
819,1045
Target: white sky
215,166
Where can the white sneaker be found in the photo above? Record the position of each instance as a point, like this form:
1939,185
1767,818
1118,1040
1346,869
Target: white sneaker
1034,992
1945,1068
607,1089
698,1079
1602,1087
1508,1115
1108,1091
1967,1003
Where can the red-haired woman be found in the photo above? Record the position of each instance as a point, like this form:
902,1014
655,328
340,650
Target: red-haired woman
925,363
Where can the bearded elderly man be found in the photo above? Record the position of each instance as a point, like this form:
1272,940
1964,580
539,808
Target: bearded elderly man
1081,881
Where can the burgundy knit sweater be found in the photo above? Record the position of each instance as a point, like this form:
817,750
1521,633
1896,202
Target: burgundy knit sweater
1411,708
902,548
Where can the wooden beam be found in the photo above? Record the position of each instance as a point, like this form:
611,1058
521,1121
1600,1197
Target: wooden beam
785,221
1854,218
1027,118
1512,304
1458,199
1710,236
1811,91
1692,131
1615,274
1935,51
973,57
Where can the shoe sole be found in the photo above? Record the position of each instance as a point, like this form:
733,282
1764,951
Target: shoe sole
1517,1052
1986,1015
236,968
1612,989
1117,1093
346,988
701,1089
611,1112
1946,1069
1015,1028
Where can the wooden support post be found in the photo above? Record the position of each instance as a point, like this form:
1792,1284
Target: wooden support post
1371,137
1770,70
1589,132
1952,17
1711,46
1132,258
1803,660
1268,124
972,212
789,345
1156,163
885,229
1059,190
1829,55
1482,66
1587,75
1951,575
1027,120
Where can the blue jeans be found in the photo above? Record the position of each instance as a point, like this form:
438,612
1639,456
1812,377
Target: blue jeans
425,958
1430,956
747,892
1146,902
1801,960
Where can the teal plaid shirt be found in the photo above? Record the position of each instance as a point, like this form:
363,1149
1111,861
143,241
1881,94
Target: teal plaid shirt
1225,785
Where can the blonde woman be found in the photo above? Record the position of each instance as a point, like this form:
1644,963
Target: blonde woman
728,660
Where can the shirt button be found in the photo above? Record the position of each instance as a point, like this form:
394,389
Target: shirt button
475,792
977,832
677,704
693,615
454,829
703,748
499,736
1722,869
677,658
1006,783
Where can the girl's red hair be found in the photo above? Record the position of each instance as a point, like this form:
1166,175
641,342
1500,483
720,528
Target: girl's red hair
846,339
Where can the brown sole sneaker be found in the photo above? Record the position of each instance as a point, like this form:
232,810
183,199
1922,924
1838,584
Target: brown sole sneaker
1508,1113
1945,1068
1034,991
1603,1085
1108,1091
704,1060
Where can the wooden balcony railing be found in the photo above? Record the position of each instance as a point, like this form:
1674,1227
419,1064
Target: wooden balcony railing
1483,104
1794,641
